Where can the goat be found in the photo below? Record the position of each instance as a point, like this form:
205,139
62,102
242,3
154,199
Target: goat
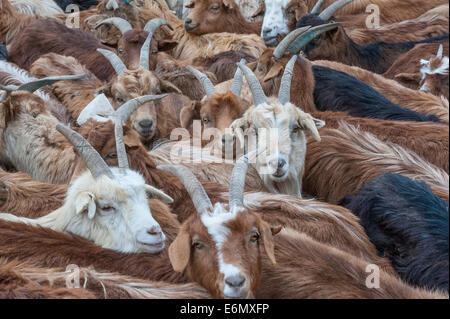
282,170
12,75
406,69
357,157
434,74
217,232
408,224
281,16
46,8
330,41
46,156
417,101
215,16
428,140
25,281
106,205
322,88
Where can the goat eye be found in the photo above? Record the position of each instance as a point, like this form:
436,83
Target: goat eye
121,51
254,237
112,155
205,120
198,245
34,114
214,7
108,209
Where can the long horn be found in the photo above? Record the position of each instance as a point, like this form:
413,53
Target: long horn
204,80
326,14
304,38
317,7
195,189
120,146
115,61
121,24
237,80
37,84
257,91
124,112
237,181
278,52
150,27
284,94
91,157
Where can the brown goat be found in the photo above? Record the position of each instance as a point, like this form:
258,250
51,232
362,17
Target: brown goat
214,16
406,69
357,157
429,140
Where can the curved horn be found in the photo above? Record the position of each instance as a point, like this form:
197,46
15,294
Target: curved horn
150,27
204,80
278,52
326,14
257,91
237,80
195,189
237,181
37,84
115,61
284,94
91,157
124,112
120,146
304,38
317,7
121,24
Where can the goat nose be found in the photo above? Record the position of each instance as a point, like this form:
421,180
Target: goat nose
281,163
146,124
188,21
235,281
154,231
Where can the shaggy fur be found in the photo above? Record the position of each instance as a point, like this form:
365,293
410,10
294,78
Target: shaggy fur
46,8
408,224
347,157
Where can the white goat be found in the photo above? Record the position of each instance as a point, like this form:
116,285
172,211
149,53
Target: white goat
283,125
106,205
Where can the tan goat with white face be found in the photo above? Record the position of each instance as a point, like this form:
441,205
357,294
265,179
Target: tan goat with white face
106,205
281,124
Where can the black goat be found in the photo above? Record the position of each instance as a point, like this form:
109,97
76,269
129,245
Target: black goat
408,224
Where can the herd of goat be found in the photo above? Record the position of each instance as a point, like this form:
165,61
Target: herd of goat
352,203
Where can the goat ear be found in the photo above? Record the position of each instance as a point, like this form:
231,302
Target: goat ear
275,71
180,251
105,89
229,3
189,113
408,77
166,45
298,13
267,233
260,10
86,201
167,87
190,5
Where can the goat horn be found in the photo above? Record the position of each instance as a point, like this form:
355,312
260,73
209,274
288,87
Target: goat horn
91,157
150,27
284,94
237,181
317,7
112,5
326,14
115,61
121,24
258,93
124,112
180,9
37,84
120,146
237,80
440,52
194,188
278,52
204,80
304,38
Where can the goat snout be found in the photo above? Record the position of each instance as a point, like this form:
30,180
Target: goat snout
146,124
235,281
188,25
266,31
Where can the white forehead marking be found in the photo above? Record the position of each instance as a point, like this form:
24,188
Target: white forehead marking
214,223
426,68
